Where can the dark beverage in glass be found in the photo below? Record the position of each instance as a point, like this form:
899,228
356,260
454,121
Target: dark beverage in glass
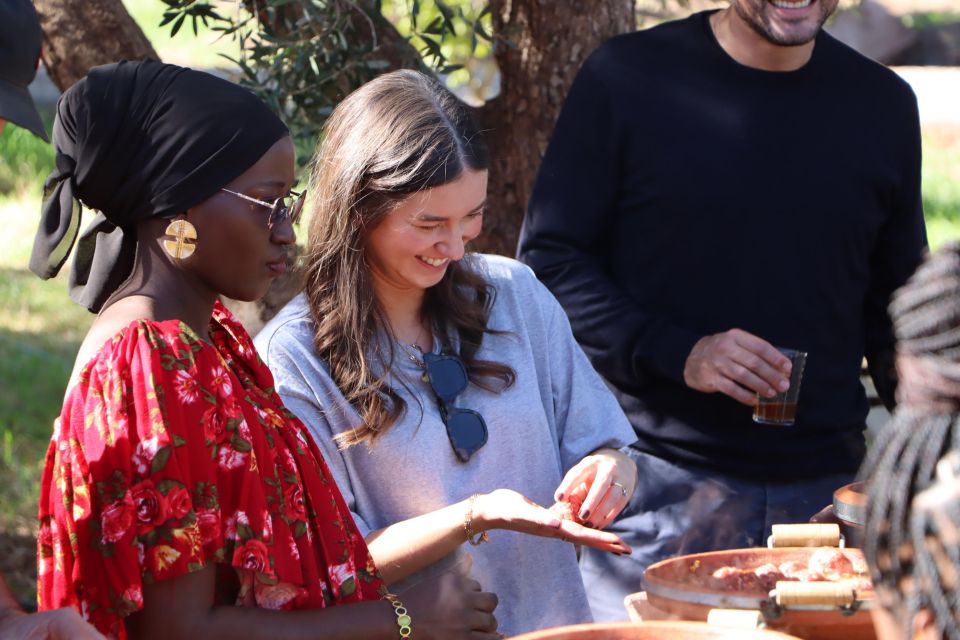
775,413
782,408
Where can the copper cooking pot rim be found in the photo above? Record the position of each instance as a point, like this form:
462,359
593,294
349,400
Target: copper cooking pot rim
850,503
683,578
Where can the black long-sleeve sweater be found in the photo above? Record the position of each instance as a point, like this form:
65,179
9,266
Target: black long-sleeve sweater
684,194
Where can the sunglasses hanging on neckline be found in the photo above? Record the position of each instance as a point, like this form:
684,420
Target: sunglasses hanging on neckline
466,428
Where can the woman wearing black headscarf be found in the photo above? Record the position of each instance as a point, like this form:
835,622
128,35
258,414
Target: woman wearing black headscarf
176,482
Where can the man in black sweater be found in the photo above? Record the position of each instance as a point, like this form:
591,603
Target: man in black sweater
715,188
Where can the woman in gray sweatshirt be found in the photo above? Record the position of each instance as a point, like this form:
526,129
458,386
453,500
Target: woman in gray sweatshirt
445,388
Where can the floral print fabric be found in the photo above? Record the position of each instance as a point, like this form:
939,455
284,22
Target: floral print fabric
172,453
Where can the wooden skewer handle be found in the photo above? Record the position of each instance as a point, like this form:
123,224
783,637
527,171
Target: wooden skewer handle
798,594
805,535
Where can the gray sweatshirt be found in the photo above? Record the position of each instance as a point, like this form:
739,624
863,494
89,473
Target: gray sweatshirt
558,411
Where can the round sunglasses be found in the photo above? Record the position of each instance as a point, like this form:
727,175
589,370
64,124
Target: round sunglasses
466,428
288,206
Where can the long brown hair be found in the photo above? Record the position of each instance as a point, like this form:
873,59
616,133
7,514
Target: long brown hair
398,134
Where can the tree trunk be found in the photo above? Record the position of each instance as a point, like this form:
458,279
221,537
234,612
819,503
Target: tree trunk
81,34
548,42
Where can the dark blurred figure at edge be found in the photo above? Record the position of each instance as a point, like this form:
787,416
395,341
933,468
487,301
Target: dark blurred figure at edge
19,58
716,188
913,467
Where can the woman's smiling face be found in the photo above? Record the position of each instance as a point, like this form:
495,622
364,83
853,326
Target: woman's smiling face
411,248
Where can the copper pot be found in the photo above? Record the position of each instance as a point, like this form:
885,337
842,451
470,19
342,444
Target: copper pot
850,508
850,503
651,631
682,586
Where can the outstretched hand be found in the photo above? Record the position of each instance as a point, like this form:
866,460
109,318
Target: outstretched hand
507,509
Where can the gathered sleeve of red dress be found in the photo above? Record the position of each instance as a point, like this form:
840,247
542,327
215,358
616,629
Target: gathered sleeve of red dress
172,453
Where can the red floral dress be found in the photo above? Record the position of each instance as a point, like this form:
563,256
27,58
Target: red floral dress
172,453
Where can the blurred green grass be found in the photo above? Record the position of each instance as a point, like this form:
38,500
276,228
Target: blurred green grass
24,160
40,332
925,19
941,184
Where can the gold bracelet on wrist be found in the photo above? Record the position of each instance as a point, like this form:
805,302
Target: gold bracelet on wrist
403,617
472,537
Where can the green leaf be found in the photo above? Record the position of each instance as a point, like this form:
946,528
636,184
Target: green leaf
177,25
435,27
432,47
212,14
165,485
241,445
299,529
348,586
149,538
481,31
160,460
244,531
447,14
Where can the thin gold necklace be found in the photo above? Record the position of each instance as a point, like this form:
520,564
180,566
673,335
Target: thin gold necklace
414,348
410,349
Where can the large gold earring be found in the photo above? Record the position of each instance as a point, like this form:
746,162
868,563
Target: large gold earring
185,242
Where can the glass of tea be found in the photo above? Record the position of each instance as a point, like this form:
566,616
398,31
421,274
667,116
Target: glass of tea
782,408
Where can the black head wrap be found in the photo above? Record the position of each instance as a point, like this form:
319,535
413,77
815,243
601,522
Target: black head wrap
136,140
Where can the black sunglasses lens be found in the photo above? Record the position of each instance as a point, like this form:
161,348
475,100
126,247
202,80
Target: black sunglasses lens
281,209
296,208
448,377
467,432
277,213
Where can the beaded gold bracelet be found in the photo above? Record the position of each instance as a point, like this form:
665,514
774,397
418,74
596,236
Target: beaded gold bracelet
403,617
473,538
